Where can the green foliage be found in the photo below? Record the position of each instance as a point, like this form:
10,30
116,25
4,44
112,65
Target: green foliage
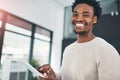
35,64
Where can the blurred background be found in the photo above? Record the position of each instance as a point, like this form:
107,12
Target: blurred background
38,31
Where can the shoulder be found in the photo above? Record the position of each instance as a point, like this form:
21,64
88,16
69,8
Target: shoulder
104,44
70,48
71,45
106,48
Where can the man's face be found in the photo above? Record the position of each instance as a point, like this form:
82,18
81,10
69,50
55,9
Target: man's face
83,18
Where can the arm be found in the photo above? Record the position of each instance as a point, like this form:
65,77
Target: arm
109,66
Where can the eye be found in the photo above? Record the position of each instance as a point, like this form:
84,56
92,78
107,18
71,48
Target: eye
75,14
86,14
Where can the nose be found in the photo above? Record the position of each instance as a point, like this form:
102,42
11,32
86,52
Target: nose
80,17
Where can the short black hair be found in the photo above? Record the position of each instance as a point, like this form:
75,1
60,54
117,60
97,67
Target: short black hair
95,4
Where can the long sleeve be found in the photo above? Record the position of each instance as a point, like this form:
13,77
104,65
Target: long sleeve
58,75
109,66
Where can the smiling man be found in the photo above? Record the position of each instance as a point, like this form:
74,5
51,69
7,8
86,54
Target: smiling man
90,57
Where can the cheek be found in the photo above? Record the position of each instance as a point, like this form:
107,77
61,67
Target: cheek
73,19
89,21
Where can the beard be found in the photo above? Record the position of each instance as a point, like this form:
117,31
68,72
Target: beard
80,33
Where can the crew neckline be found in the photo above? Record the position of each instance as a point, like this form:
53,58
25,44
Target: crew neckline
87,41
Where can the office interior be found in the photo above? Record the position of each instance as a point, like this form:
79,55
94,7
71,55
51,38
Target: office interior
39,30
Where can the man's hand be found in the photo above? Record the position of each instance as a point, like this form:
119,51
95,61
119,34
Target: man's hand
49,78
47,72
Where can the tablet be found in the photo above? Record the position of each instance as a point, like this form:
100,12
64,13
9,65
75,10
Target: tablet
31,68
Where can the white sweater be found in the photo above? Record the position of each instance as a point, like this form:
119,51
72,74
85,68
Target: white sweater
93,60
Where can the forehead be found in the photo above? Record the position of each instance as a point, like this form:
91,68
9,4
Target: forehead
84,7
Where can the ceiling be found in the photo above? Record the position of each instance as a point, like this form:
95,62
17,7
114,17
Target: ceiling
108,6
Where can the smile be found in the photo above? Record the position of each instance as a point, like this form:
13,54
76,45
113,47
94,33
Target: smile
78,24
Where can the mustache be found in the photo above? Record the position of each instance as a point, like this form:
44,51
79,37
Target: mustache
74,22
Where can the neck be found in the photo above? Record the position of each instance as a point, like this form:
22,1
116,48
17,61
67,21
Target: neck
85,38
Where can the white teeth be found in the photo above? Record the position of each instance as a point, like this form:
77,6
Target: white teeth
79,24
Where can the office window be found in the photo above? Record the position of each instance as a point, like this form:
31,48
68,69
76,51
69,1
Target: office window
16,45
41,46
19,41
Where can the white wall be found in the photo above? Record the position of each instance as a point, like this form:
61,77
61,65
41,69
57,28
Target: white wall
46,13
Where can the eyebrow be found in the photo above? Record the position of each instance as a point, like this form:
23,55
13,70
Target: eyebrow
82,12
75,12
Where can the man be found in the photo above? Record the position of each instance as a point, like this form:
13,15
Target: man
90,57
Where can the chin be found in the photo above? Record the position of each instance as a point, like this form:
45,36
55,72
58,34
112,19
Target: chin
80,33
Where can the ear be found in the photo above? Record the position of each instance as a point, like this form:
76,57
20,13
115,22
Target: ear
95,19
